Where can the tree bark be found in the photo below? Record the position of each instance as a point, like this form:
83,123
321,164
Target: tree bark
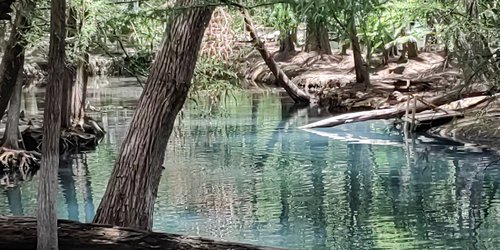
11,136
298,95
359,64
70,72
131,192
345,47
47,187
287,43
20,233
412,50
11,60
79,93
66,102
317,38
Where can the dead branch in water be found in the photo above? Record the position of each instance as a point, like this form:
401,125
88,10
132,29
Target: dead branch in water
395,112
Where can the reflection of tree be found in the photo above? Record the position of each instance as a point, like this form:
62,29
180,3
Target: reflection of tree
74,175
14,199
67,180
85,185
317,146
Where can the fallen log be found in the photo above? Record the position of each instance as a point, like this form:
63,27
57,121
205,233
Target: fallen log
20,233
396,112
297,94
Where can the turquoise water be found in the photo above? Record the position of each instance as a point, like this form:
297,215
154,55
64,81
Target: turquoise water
246,173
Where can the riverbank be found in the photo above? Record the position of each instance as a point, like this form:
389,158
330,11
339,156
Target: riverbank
401,89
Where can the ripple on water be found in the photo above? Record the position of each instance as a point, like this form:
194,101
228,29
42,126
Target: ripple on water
249,175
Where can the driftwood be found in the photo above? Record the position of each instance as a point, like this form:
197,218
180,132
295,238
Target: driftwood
20,233
297,94
396,112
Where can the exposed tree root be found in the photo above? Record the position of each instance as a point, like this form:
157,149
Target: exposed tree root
81,138
17,166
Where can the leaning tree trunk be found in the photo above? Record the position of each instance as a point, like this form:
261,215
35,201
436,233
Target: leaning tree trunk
132,189
11,60
297,94
317,38
11,135
47,185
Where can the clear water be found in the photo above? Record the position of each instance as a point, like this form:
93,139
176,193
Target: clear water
247,174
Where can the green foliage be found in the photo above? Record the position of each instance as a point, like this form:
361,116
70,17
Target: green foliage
214,78
283,18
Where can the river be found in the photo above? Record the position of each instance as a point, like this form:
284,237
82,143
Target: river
244,172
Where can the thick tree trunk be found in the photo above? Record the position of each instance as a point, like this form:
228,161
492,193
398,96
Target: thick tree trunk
287,43
131,192
69,78
345,47
317,38
11,136
11,60
47,187
20,233
79,93
359,64
386,54
298,95
412,50
409,48
70,73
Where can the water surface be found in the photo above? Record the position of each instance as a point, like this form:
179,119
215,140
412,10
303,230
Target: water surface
246,173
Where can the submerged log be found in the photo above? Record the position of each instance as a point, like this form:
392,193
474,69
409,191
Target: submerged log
20,233
297,94
396,112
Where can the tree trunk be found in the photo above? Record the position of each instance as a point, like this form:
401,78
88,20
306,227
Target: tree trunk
11,136
131,192
69,78
11,61
359,64
287,44
317,38
79,93
298,95
20,233
412,50
386,54
345,47
70,73
47,187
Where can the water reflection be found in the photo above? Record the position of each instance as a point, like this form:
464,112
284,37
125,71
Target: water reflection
250,175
